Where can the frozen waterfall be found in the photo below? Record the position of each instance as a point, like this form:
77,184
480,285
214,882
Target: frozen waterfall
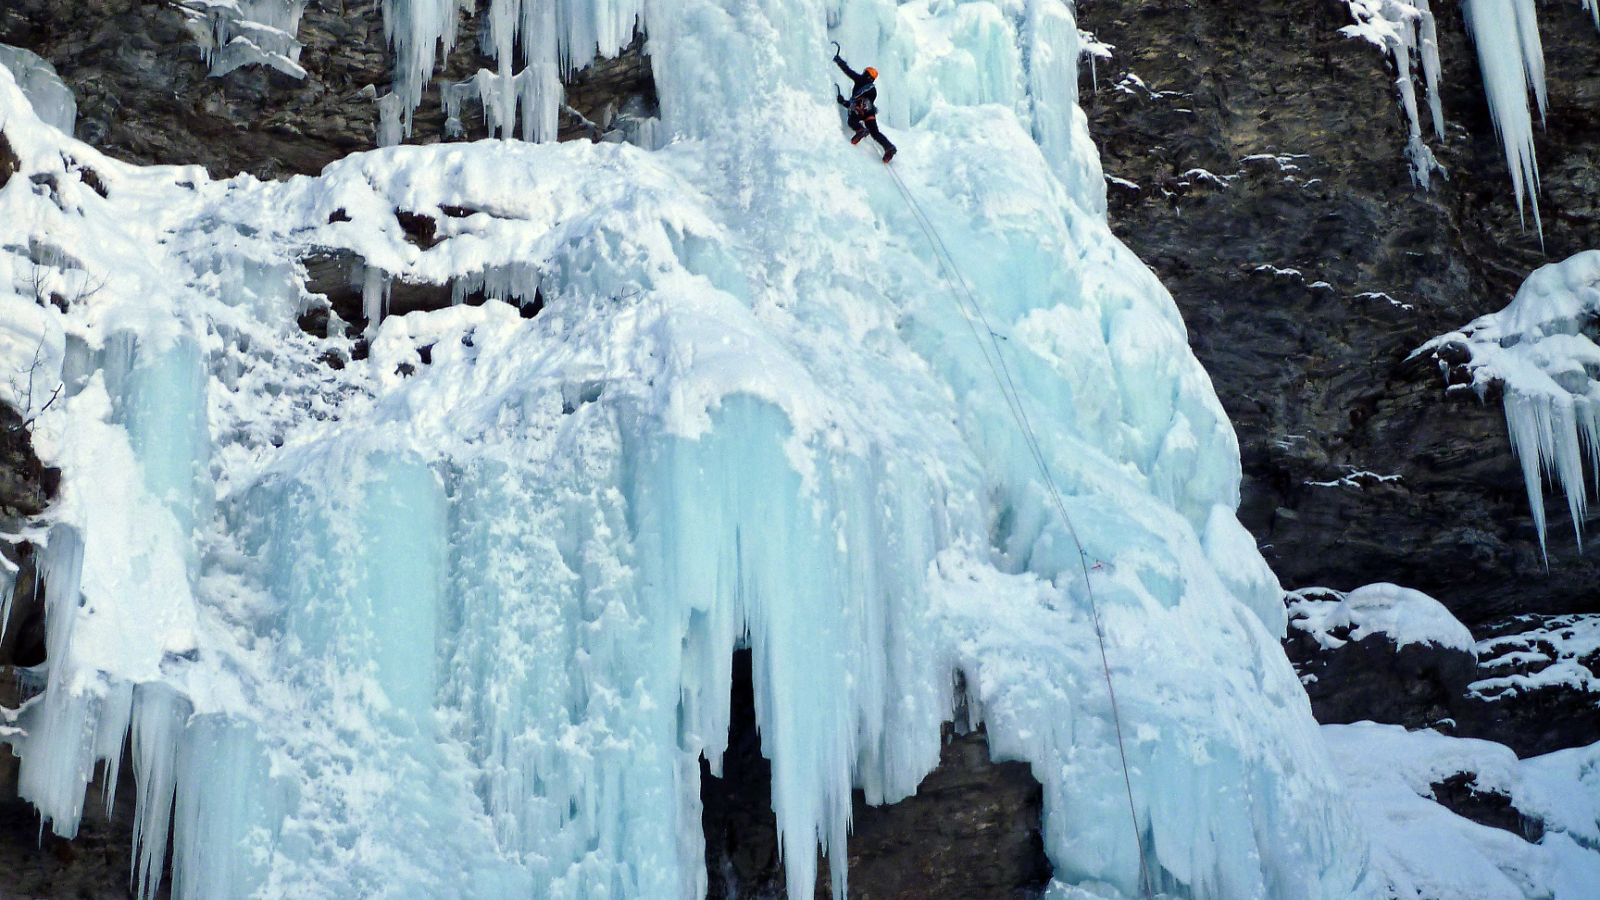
443,604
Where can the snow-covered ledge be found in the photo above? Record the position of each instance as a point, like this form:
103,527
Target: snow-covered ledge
1541,348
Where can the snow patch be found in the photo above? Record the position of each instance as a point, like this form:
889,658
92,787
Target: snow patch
1421,849
1563,651
1403,615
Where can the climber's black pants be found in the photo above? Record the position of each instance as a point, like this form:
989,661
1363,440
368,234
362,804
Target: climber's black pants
865,126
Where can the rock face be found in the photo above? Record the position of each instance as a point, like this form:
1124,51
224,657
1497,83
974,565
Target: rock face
26,484
1418,685
1530,684
1309,268
1536,685
95,865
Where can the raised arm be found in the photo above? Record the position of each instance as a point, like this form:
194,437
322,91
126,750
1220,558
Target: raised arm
845,67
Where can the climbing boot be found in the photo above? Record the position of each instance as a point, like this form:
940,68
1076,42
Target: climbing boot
888,154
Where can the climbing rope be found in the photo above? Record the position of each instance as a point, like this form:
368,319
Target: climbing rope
964,297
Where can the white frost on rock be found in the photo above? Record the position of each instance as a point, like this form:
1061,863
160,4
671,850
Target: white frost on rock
1552,655
237,33
51,98
1403,615
1422,849
1541,349
456,619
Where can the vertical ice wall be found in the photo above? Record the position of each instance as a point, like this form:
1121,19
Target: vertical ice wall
463,610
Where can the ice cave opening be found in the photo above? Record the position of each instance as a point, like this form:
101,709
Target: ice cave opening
972,830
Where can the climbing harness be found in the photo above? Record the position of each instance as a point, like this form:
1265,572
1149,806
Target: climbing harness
1002,374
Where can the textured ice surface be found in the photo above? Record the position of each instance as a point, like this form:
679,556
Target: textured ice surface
1541,349
1421,849
456,618
1406,616
51,98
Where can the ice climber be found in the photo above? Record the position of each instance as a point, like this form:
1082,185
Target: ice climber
863,106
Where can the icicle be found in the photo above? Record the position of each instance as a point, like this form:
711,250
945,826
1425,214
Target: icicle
159,715
374,295
416,30
1407,31
58,752
1506,34
111,736
1538,348
556,36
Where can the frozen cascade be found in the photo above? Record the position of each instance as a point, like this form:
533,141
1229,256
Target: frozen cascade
554,36
1538,349
456,619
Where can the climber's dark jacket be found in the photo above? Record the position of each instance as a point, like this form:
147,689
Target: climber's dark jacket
863,99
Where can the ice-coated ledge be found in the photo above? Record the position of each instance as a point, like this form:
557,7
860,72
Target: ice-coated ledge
1542,350
237,33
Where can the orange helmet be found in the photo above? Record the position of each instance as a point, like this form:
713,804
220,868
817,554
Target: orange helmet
872,73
